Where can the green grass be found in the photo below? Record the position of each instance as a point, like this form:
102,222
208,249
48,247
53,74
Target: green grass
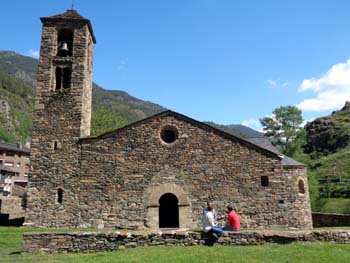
335,205
10,246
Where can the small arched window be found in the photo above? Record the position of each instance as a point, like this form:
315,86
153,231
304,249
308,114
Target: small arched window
65,43
301,186
63,76
60,196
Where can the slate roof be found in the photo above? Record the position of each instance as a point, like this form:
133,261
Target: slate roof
70,15
266,144
13,148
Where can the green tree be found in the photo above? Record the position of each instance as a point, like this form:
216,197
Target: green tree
295,148
104,120
313,190
283,126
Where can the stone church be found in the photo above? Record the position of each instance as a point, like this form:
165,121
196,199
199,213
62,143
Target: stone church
155,173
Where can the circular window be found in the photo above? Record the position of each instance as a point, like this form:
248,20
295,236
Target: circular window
169,134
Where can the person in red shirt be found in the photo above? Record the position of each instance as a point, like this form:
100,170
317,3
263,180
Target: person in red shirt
232,223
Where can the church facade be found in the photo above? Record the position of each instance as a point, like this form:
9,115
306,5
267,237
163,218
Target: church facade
155,173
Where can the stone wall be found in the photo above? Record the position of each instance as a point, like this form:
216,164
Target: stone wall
99,242
12,206
60,119
124,175
299,208
324,220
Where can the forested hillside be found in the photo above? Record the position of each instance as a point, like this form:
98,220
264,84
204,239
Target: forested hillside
328,145
112,109
17,84
324,145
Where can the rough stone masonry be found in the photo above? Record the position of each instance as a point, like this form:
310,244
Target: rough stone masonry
155,173
101,242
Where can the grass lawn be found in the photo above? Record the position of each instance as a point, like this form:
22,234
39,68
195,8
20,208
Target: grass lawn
11,237
336,205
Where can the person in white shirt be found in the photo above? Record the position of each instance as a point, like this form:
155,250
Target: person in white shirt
209,224
210,204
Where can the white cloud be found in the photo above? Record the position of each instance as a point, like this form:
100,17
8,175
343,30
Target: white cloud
306,121
331,90
277,83
122,64
33,53
251,122
272,83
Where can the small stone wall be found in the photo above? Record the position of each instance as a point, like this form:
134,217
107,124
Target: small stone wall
322,220
12,205
109,241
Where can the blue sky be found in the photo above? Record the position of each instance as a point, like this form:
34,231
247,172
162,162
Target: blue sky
220,60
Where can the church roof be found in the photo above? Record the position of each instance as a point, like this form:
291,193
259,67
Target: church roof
70,15
256,144
266,144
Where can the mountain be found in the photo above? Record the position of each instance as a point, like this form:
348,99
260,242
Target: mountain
16,103
20,67
118,101
132,109
17,85
328,147
111,108
237,130
329,133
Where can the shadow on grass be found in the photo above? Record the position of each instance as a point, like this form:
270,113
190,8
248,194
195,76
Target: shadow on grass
15,253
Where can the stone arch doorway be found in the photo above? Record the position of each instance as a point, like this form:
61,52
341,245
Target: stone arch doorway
168,211
166,197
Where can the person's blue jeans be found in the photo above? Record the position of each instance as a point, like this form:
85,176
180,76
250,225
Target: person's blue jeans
217,230
228,228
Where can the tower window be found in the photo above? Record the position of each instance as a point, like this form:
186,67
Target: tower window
63,76
65,43
264,180
59,195
301,186
55,145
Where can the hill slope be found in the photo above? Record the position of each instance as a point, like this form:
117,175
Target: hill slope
115,107
328,146
237,130
17,85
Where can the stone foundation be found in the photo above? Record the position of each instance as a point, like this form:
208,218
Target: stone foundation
109,241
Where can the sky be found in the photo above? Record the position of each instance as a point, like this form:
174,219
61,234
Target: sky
231,62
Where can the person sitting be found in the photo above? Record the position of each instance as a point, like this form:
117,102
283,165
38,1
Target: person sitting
232,223
215,215
209,224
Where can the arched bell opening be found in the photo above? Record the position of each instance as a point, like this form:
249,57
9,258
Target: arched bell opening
168,211
63,78
65,43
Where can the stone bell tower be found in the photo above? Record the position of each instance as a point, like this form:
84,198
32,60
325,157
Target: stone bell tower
62,114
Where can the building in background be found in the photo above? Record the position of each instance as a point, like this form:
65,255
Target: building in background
14,167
